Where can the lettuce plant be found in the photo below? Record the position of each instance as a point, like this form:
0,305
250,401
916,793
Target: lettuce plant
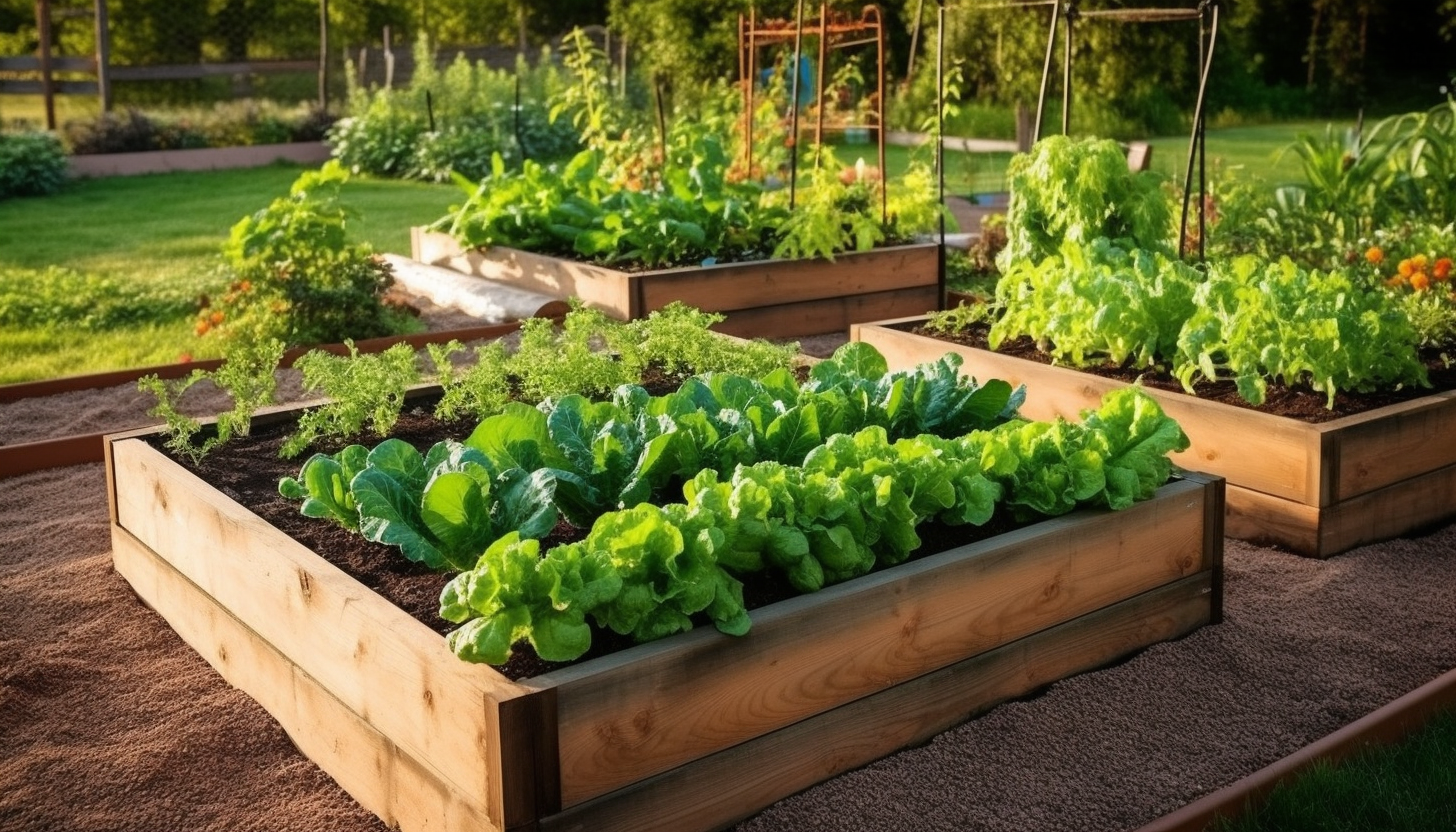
1254,321
1070,190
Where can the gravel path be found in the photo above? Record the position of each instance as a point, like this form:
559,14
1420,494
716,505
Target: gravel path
109,722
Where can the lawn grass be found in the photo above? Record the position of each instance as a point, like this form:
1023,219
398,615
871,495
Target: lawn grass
1408,787
1253,150
163,231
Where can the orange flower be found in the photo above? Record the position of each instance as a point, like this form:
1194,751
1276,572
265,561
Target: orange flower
202,328
1442,269
1406,268
1395,280
215,319
1420,282
1419,261
1375,255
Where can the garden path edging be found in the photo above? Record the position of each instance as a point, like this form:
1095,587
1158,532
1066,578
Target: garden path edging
1384,726
25,457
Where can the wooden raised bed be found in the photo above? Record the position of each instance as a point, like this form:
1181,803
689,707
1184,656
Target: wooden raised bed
689,733
1315,489
761,299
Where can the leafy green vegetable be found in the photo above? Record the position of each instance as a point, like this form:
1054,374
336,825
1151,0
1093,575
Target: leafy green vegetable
324,485
1097,302
1065,190
1256,321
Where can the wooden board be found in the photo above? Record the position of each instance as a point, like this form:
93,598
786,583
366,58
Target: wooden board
726,287
1315,489
424,739
787,761
818,317
389,669
645,711
769,298
1394,443
363,761
1271,455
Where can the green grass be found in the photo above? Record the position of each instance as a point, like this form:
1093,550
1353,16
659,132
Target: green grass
1408,787
1253,150
163,233
1256,150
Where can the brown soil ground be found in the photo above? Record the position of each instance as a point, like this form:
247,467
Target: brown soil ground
108,721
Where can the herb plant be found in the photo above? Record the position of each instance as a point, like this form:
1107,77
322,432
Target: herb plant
248,378
364,391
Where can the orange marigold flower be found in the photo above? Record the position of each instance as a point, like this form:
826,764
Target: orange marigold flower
1442,269
202,328
215,318
1406,268
1375,255
245,286
1420,282
1395,280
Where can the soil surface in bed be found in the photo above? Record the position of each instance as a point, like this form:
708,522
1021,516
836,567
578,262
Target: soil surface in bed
1292,401
248,472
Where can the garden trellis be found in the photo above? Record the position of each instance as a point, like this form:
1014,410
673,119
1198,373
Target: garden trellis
833,32
1065,14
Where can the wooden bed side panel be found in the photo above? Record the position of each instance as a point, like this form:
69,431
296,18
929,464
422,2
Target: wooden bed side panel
663,706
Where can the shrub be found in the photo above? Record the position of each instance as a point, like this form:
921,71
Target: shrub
232,124
31,164
295,278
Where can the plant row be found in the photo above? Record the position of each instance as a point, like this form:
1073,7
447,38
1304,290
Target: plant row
588,353
829,480
1089,273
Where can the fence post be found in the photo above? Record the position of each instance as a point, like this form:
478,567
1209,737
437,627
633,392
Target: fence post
323,70
47,83
103,56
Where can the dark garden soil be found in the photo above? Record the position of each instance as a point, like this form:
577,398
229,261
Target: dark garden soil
1294,402
248,471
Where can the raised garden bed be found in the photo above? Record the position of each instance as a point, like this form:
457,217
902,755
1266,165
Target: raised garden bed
691,732
200,158
1316,489
762,299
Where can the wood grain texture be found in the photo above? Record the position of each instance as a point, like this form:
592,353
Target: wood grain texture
725,287
1255,450
389,669
644,711
598,287
830,315
363,761
1410,505
718,790
1385,446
